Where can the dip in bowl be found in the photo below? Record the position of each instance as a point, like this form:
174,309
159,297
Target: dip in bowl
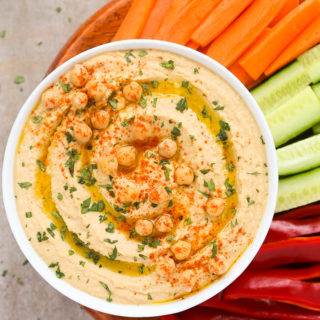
140,172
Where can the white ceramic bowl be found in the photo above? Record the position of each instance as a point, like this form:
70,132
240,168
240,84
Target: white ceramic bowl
100,304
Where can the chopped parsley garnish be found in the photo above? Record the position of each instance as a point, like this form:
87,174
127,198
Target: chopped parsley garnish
192,137
114,253
214,249
145,87
224,125
71,252
73,158
151,242
59,274
110,241
195,70
108,290
230,166
127,122
36,119
210,185
140,268
113,104
143,101
250,202
102,218
230,190
188,221
168,65
262,140
25,185
59,196
41,165
204,112
143,256
110,227
63,231
142,53
109,188
168,189
182,105
219,108
170,238
175,132
69,137
254,173
154,102
170,204
154,205
98,206
82,263
57,215
155,83
42,237
232,225
18,80
65,86
149,296
233,211
86,175
185,84
127,55
204,194
204,171
167,172
28,214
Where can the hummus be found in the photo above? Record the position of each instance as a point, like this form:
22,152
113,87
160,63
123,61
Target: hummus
141,176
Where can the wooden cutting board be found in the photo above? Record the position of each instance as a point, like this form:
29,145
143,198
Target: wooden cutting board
98,29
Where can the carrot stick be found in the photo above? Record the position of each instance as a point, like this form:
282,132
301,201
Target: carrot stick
218,20
193,45
253,83
134,21
188,19
155,18
288,6
307,39
175,8
240,73
256,61
228,47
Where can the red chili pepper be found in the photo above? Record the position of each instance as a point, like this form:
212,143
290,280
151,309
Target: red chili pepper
284,229
300,213
256,285
292,250
264,309
203,313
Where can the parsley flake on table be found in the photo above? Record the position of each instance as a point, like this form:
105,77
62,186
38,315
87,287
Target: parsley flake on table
3,33
18,80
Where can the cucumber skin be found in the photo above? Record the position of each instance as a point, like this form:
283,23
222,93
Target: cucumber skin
316,90
316,128
298,190
295,116
281,87
311,62
299,156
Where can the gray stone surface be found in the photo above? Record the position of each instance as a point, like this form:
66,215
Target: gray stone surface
35,32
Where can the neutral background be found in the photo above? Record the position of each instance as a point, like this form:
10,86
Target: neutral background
35,32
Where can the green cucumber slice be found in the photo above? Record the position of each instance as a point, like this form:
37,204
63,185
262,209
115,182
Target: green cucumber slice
298,190
281,87
311,61
299,156
295,116
316,90
316,128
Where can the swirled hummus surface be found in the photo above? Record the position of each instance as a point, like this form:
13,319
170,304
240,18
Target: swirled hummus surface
141,176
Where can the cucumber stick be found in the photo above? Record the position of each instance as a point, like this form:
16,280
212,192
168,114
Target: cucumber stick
281,87
298,190
316,90
300,156
311,61
295,116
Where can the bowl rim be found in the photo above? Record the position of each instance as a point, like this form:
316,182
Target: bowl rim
155,309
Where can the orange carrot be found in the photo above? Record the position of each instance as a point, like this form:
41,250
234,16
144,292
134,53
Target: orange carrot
231,43
193,45
256,61
253,83
307,39
240,73
288,6
134,21
218,20
188,19
175,8
155,18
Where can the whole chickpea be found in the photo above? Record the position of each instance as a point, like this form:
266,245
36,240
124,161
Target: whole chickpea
79,100
143,227
100,119
181,250
126,155
79,75
96,90
109,165
215,206
82,132
183,175
165,267
121,103
217,266
167,148
50,99
142,130
164,223
188,279
132,91
158,195
129,194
